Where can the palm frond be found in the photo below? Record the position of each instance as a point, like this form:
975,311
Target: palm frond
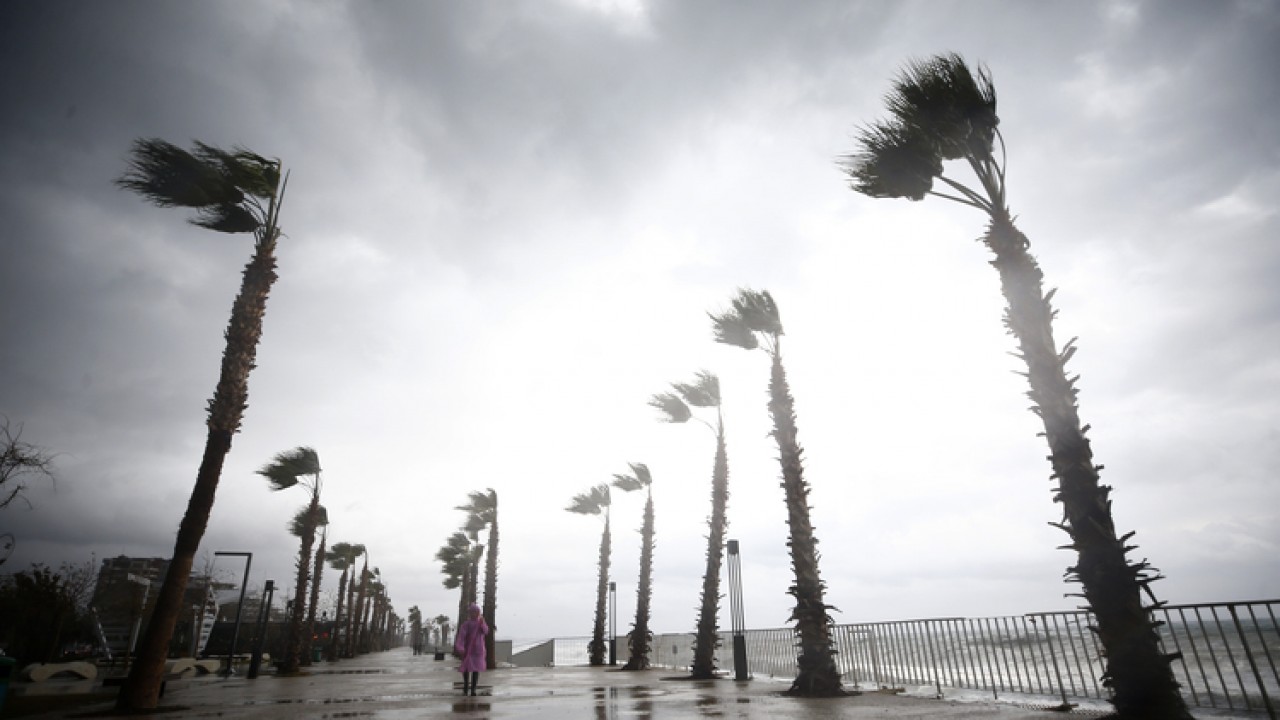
730,329
673,409
225,218
168,176
950,104
638,480
891,162
758,311
287,467
304,519
248,171
592,502
704,391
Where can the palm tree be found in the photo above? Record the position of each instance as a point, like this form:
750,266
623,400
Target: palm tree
341,557
456,557
442,622
753,317
415,627
317,572
704,392
483,507
596,502
299,467
940,110
231,192
640,479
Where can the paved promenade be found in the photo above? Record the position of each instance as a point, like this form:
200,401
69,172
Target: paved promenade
396,684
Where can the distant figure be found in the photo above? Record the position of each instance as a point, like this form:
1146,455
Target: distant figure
469,647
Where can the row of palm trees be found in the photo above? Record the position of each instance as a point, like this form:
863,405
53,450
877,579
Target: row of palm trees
240,192
939,111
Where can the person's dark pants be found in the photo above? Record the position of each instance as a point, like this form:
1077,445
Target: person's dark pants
469,680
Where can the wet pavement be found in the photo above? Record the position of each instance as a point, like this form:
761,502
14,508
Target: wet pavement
399,685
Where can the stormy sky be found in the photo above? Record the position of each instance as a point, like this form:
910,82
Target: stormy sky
506,223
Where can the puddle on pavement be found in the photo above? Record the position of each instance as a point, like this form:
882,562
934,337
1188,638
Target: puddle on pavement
343,701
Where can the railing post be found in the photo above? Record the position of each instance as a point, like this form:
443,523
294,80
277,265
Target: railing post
1257,676
1057,674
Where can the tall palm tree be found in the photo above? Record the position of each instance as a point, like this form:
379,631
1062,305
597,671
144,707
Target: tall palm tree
231,192
370,589
596,502
299,467
317,572
753,318
415,627
483,507
704,392
641,637
342,557
940,110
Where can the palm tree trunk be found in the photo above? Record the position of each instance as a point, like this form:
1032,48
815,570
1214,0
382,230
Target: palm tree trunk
708,637
353,624
491,592
293,639
817,675
317,572
640,636
141,690
597,647
338,619
1138,673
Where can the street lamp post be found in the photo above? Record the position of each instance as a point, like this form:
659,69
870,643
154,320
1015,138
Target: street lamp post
613,623
235,633
264,619
740,670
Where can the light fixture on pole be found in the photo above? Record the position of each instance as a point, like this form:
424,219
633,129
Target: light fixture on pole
740,670
613,623
235,633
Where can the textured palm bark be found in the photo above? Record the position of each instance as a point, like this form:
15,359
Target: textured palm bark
641,637
597,647
353,624
707,638
297,619
1138,673
317,574
817,675
338,619
141,690
490,608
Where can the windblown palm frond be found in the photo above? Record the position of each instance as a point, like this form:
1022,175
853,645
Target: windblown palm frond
286,468
638,480
947,102
758,311
673,409
303,519
481,504
592,502
704,391
893,162
731,329
223,187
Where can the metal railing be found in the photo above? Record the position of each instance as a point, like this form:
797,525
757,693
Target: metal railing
1229,654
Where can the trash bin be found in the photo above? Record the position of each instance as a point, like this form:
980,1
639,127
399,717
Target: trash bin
317,654
7,667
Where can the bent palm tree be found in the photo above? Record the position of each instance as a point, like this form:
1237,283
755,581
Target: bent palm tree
341,557
456,557
640,479
231,192
596,502
704,392
483,507
939,111
317,572
754,316
299,467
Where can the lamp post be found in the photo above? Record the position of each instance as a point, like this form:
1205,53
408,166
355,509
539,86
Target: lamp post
613,623
235,633
264,618
739,623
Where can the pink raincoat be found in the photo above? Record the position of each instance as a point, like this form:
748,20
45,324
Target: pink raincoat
469,644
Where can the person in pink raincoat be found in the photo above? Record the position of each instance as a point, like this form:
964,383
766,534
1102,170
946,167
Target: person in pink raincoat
469,647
